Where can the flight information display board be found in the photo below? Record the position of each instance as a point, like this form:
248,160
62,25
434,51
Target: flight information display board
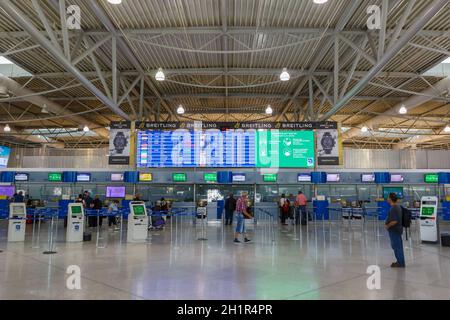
234,148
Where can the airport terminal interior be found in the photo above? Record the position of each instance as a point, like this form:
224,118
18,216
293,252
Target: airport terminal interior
225,149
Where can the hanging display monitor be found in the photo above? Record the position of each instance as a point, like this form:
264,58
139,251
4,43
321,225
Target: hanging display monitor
210,177
179,177
4,156
396,178
117,177
7,191
304,177
367,177
83,177
285,149
333,177
115,192
233,148
190,148
21,176
431,178
239,177
145,176
270,177
55,177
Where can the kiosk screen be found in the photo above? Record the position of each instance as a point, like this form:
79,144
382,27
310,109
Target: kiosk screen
139,210
17,210
427,211
76,210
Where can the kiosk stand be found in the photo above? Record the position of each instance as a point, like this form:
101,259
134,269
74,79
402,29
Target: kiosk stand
75,222
17,221
137,222
428,219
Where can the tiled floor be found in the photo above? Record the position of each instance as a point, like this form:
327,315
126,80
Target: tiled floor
323,261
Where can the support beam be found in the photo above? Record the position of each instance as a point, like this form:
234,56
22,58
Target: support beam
428,13
27,25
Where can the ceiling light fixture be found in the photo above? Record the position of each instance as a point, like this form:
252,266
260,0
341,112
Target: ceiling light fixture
364,129
269,109
285,76
180,109
403,110
115,1
86,129
7,128
320,1
447,129
160,76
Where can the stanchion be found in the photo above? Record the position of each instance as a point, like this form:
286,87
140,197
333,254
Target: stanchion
121,227
50,239
33,244
99,231
203,236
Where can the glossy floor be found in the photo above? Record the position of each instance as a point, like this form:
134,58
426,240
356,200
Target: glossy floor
321,261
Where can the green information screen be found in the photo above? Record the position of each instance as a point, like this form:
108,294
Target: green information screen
139,210
76,210
55,177
270,177
284,149
179,177
431,178
427,211
210,177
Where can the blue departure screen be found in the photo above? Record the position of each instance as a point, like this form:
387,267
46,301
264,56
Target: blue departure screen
189,148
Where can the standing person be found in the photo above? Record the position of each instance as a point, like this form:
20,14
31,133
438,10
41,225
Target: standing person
87,203
394,227
285,209
280,205
241,213
230,207
300,207
18,197
97,205
113,210
137,197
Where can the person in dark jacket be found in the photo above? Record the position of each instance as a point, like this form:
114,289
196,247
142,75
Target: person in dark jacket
230,207
394,227
97,204
18,197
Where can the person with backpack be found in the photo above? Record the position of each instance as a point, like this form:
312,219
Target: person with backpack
394,226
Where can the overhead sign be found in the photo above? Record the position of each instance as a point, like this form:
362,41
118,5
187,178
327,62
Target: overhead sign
179,177
55,177
328,146
307,125
210,177
431,178
119,143
270,177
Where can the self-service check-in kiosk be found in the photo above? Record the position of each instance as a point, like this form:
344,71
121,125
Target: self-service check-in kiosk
75,222
137,222
428,219
17,222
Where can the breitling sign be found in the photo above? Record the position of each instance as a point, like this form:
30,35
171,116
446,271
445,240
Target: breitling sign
120,143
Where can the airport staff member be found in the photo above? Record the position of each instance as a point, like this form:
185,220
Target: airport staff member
230,207
241,213
394,227
300,206
18,197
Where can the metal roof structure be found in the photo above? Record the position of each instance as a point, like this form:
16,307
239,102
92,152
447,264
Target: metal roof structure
222,60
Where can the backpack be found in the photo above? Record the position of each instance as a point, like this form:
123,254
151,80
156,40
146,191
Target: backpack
406,217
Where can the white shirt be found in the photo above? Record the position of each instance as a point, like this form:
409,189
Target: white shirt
282,201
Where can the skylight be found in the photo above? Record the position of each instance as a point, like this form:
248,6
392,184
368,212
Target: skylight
446,60
3,60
